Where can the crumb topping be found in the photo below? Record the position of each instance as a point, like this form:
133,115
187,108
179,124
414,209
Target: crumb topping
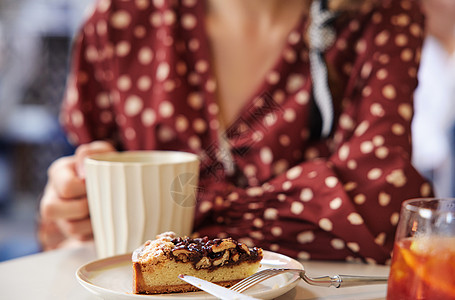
155,251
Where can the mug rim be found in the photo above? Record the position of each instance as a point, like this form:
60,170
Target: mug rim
142,157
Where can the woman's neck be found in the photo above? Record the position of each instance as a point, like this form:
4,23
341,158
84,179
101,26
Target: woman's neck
246,40
262,13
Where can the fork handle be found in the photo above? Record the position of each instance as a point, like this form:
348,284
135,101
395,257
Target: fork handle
344,280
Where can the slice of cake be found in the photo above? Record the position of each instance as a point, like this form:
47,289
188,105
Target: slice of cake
157,264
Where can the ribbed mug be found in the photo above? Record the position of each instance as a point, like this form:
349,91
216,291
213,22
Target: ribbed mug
135,195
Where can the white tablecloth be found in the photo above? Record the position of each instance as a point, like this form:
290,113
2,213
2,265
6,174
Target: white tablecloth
51,275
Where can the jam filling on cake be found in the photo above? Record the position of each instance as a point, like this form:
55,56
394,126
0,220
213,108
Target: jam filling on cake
210,254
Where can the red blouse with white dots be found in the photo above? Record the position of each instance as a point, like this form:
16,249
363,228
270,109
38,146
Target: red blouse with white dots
141,76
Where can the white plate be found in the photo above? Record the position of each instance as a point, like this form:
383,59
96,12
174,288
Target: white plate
112,278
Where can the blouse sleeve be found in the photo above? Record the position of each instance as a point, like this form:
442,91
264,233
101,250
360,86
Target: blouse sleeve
86,112
345,206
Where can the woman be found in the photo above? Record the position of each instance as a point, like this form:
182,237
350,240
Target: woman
318,177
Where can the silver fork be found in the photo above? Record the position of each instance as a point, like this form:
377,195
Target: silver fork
327,281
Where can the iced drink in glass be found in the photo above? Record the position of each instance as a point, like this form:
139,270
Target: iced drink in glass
423,263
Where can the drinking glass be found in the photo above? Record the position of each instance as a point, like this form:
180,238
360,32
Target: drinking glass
423,262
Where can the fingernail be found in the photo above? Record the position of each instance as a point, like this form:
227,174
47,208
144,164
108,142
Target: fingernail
80,171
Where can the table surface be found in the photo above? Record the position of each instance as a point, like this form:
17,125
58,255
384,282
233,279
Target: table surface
51,275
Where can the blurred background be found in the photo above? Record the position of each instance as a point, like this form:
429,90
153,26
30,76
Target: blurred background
35,41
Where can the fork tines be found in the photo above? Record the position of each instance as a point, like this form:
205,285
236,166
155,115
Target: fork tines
256,278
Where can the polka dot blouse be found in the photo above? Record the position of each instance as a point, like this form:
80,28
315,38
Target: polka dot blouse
141,76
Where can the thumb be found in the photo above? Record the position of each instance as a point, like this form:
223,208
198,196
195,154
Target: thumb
85,150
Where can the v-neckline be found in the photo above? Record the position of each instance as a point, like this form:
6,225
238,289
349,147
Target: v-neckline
263,87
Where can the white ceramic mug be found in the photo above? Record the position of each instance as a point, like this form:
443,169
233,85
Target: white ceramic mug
135,195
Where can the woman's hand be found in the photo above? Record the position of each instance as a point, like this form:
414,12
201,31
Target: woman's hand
64,208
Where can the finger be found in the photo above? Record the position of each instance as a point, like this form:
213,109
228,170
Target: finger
80,229
49,235
73,242
64,180
86,150
53,207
